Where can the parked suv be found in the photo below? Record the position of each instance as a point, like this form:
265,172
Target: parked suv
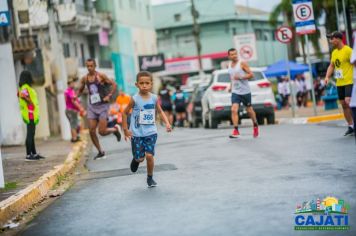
216,101
194,106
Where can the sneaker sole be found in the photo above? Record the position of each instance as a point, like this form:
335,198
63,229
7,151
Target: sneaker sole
152,186
232,136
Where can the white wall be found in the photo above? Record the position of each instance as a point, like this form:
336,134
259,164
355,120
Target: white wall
144,42
12,128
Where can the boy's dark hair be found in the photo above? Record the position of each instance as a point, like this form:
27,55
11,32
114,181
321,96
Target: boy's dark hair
91,60
25,78
143,74
230,50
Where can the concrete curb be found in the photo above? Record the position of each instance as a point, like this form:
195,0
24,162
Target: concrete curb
318,119
24,199
310,120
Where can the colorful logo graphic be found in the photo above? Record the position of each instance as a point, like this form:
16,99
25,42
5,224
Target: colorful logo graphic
327,214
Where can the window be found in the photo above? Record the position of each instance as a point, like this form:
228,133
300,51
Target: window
234,31
224,78
259,35
177,17
120,4
66,50
164,43
257,75
148,12
185,40
92,51
133,4
75,49
82,54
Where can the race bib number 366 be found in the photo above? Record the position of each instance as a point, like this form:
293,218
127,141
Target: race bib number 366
147,117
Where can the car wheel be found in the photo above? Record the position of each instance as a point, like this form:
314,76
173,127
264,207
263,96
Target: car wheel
271,119
213,123
195,123
260,120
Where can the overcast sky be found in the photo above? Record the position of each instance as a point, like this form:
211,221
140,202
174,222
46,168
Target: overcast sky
266,5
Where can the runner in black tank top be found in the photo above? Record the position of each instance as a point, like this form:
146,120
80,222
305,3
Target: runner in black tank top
166,102
98,105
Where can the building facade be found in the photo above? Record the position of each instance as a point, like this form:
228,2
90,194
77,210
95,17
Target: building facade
132,35
219,22
79,27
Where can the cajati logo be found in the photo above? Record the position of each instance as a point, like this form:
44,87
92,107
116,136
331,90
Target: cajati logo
327,214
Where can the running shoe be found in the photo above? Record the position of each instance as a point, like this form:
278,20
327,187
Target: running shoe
349,131
134,165
235,133
100,155
31,158
38,156
75,140
117,133
150,182
255,132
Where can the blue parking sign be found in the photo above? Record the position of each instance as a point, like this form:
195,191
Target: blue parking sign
4,18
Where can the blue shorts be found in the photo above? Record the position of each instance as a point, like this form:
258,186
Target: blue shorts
244,99
141,145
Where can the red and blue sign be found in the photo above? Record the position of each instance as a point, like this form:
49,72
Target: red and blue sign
4,18
303,16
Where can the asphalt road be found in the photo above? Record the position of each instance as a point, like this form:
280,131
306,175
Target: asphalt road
209,184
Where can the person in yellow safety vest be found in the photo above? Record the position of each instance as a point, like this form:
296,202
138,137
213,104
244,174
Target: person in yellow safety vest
30,113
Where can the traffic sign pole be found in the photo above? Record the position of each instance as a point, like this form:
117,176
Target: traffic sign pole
311,74
290,84
305,24
284,34
2,181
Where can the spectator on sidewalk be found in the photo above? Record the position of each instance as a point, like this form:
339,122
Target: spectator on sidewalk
319,87
30,113
73,107
301,90
284,91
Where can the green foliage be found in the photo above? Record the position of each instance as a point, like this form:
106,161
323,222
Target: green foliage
9,186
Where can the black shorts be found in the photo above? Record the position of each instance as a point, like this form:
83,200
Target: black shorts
180,108
244,99
344,91
167,107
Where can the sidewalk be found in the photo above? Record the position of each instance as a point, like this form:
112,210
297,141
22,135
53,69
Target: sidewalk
306,112
20,173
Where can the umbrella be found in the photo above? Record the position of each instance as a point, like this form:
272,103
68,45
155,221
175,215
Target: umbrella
280,68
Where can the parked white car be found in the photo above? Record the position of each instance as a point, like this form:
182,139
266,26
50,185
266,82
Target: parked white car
195,80
216,102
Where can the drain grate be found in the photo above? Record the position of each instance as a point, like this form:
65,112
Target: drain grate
123,172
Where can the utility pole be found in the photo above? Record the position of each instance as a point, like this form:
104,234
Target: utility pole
61,72
196,33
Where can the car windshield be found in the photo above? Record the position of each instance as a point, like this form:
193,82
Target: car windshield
225,78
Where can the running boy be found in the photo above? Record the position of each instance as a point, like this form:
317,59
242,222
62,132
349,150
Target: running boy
143,130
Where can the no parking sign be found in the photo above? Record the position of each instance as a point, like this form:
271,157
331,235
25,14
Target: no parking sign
245,45
304,16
